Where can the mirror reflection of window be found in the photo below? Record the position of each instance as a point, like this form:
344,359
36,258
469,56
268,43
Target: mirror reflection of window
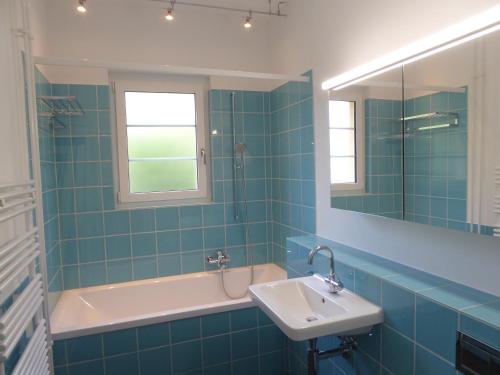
343,141
346,133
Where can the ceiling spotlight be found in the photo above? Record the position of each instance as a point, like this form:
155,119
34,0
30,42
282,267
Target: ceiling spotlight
81,6
248,20
169,16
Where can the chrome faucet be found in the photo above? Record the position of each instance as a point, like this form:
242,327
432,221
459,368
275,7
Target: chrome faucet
333,281
221,259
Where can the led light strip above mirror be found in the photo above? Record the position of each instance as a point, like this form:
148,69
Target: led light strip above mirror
469,29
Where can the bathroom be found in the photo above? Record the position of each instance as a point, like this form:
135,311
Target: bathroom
249,187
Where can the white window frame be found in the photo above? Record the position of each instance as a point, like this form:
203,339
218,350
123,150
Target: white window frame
359,186
188,86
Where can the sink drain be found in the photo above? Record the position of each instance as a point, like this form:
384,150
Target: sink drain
311,318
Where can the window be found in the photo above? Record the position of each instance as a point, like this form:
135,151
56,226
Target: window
346,145
161,135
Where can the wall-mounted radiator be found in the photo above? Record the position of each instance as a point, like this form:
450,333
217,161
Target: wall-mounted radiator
23,331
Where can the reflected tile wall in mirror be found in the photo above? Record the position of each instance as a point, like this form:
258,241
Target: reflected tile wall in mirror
430,148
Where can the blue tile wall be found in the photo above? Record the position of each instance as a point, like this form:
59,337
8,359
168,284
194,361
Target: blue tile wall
90,236
422,314
234,343
383,162
292,183
436,163
96,243
50,198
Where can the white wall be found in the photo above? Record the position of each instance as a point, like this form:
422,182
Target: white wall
331,36
136,31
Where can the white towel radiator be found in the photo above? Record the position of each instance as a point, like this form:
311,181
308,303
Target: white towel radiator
23,329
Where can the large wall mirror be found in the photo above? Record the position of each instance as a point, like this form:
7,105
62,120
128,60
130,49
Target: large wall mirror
422,143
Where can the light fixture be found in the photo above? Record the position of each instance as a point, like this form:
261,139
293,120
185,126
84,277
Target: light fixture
169,16
248,20
81,6
467,30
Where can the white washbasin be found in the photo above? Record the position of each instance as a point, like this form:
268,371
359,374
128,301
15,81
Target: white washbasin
303,308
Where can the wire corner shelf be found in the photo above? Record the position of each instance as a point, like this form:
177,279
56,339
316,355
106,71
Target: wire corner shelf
56,106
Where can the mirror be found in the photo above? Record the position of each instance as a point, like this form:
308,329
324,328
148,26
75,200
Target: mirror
366,162
420,143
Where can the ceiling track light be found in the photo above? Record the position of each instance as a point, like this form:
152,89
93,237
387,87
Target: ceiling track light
169,16
248,20
81,7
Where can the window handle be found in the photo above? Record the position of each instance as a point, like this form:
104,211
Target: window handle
203,154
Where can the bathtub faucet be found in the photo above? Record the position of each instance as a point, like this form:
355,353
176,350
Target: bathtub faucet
221,259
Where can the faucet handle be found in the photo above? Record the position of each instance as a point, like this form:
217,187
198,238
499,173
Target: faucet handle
220,260
334,283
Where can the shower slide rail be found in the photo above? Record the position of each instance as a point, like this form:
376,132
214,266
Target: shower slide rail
23,329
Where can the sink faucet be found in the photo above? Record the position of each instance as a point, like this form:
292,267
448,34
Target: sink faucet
333,281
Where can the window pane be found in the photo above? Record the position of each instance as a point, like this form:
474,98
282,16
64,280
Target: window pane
342,142
150,142
162,176
342,114
343,170
160,108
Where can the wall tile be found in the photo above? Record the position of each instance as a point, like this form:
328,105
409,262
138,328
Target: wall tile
185,330
244,344
393,343
119,270
155,362
143,244
427,363
142,220
215,324
84,348
120,342
436,328
186,356
144,267
152,336
127,364
216,350
399,307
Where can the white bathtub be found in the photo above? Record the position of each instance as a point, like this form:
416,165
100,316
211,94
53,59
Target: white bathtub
111,307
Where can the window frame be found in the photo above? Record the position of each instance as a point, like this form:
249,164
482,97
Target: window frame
359,186
188,86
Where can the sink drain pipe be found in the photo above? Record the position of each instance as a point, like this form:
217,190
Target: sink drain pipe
345,349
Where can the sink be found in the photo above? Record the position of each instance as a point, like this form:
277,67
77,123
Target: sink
303,308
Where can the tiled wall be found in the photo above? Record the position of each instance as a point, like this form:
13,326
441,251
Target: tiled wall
436,163
292,159
383,162
422,314
46,139
233,343
102,244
